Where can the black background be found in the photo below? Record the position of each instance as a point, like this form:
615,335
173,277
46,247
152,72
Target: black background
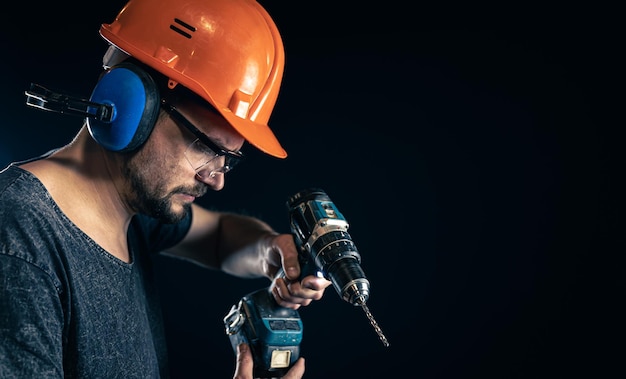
478,167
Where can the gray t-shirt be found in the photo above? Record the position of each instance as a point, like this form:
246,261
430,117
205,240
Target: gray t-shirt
67,307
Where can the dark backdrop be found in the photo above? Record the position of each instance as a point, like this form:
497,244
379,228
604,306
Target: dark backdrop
478,169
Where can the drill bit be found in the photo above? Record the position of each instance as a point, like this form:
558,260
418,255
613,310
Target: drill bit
381,336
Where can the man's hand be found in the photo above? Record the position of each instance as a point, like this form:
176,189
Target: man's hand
289,291
245,365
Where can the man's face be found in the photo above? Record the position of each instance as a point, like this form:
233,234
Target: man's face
161,181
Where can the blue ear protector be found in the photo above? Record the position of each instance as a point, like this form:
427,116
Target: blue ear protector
134,99
121,112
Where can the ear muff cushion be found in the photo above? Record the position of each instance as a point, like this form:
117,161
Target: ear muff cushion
135,99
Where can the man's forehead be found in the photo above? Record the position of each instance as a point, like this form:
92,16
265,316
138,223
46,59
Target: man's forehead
186,98
204,116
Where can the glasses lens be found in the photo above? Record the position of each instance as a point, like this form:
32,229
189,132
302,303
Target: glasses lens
207,162
199,155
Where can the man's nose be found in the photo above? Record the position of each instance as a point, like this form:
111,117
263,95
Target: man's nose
214,180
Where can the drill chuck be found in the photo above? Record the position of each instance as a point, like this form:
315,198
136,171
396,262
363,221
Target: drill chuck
349,281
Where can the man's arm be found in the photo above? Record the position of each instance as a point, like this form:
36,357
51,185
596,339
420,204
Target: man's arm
248,247
237,244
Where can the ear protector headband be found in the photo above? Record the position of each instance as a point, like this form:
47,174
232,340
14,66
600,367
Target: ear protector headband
121,112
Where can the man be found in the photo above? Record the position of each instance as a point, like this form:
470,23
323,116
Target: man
184,87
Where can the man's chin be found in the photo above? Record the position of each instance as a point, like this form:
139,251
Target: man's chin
178,214
175,213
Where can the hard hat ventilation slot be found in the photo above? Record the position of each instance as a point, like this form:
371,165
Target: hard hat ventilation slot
184,25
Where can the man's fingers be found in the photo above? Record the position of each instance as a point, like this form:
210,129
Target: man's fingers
296,371
244,362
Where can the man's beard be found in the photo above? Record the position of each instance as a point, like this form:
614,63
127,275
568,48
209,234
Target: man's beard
147,196
153,206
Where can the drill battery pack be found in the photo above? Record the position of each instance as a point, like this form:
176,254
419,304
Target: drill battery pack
273,333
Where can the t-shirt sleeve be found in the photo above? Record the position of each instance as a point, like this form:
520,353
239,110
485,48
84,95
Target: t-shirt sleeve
31,321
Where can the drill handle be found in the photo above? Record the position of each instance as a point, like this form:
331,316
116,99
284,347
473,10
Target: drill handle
307,266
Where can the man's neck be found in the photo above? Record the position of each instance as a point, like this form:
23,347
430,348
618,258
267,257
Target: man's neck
81,183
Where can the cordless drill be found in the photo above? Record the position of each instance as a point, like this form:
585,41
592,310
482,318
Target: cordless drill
274,333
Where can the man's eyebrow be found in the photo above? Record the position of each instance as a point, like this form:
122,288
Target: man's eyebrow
212,142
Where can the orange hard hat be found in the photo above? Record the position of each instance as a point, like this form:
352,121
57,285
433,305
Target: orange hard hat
229,52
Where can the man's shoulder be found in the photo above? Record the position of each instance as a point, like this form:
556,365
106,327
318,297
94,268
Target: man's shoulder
8,176
33,231
14,177
19,190
26,211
